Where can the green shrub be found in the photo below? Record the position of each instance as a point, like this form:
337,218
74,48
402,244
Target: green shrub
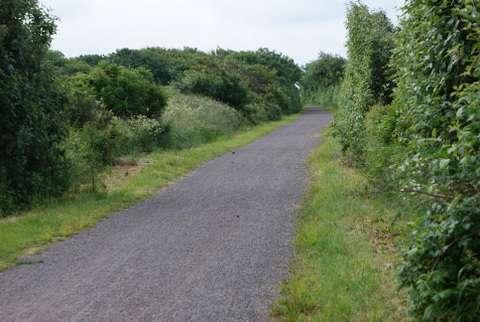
126,92
271,77
192,120
285,68
323,96
93,147
32,163
64,66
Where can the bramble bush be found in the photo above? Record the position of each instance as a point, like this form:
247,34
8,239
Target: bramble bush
260,84
97,143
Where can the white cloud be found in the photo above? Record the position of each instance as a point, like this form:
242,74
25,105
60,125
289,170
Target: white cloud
298,28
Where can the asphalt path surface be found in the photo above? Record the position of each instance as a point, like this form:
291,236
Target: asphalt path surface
212,247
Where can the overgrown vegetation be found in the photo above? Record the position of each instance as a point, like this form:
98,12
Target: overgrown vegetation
424,144
67,120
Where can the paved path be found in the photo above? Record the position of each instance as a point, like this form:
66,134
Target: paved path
212,247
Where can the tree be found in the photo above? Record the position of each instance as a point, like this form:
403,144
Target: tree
32,164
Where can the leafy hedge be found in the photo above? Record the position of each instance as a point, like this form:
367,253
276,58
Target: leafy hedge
426,143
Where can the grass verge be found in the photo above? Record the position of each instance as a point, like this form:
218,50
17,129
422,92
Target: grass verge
28,232
345,253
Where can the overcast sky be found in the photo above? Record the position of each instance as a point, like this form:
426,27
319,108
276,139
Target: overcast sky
298,28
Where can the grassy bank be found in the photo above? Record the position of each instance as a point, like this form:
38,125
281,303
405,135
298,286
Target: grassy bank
28,232
345,254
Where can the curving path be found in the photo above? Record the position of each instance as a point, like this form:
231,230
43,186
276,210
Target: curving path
212,247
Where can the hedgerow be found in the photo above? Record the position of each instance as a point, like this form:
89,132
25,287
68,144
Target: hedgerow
426,142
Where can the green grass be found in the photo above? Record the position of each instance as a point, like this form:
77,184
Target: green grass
28,232
345,254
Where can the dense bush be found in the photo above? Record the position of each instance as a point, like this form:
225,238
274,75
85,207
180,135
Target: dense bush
192,120
321,80
215,81
126,92
32,164
438,98
366,81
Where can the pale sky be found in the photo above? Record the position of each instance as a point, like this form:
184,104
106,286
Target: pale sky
298,28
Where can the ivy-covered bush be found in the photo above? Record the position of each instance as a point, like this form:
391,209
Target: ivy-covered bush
438,100
366,81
